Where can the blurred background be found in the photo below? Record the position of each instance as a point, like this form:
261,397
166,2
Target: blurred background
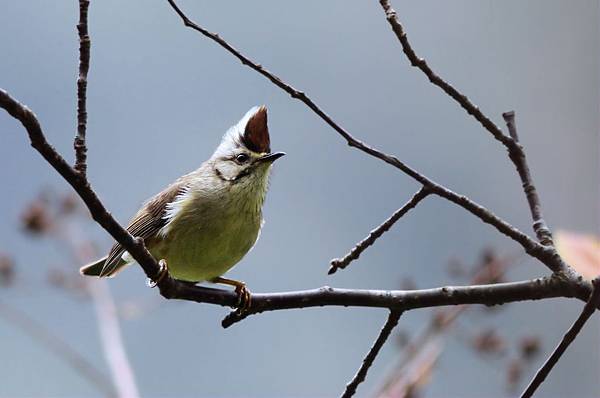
159,98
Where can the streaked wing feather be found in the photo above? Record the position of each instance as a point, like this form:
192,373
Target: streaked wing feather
147,222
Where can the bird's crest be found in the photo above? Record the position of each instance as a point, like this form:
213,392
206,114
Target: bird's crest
256,131
251,132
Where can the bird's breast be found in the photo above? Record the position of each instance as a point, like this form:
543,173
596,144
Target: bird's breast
208,237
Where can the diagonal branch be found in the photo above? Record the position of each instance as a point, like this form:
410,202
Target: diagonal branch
515,150
568,338
135,246
531,246
84,66
341,263
420,63
385,332
517,155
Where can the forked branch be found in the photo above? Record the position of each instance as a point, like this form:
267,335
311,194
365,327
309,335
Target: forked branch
511,142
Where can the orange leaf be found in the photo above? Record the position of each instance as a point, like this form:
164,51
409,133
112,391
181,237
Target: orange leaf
581,251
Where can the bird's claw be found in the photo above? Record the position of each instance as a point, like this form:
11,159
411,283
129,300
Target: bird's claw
163,271
244,298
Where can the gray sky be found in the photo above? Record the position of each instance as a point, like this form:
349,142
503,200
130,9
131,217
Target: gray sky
160,97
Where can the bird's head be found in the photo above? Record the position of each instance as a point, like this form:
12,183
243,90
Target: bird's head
244,156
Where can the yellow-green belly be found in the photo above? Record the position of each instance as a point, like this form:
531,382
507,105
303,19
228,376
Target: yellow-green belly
203,250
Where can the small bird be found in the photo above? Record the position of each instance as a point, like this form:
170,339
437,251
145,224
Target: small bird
206,221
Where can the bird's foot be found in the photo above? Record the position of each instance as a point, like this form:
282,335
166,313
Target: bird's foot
244,296
163,271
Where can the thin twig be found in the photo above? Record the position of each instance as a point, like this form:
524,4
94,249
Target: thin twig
341,263
420,63
515,150
517,155
532,247
568,338
59,347
359,377
84,66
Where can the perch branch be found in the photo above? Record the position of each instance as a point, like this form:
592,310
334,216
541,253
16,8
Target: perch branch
403,300
341,263
532,247
568,338
84,66
385,332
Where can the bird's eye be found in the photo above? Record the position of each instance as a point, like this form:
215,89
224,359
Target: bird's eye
242,158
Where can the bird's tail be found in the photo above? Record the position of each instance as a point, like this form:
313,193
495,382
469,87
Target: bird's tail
95,268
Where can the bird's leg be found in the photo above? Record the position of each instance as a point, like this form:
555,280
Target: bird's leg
240,288
163,271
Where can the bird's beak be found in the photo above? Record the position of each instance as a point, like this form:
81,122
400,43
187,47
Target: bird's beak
271,157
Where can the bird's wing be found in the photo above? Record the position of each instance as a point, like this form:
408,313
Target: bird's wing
147,222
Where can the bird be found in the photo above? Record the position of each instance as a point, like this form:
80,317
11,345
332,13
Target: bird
205,222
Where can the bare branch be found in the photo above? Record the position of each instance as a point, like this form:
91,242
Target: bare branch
517,155
359,377
403,300
568,338
84,66
531,246
511,142
341,263
420,63
59,347
135,246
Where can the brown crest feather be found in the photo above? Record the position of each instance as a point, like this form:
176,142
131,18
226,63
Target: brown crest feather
256,134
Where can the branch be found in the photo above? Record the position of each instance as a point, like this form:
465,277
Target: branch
531,246
135,246
515,150
84,66
517,155
420,63
568,338
359,377
402,300
341,263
